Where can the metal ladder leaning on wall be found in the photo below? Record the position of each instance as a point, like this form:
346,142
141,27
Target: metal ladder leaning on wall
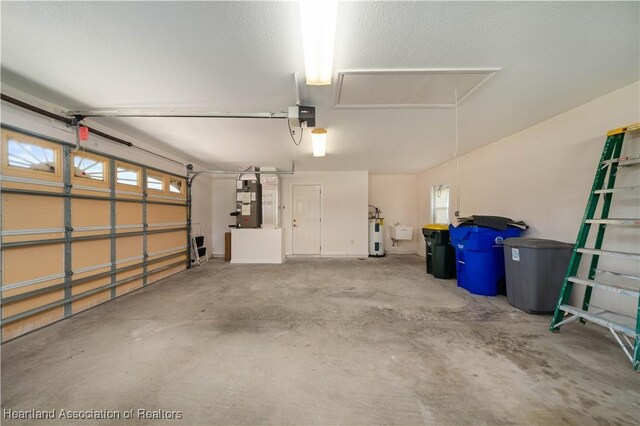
619,325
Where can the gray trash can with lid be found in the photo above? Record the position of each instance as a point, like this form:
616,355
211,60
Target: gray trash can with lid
535,269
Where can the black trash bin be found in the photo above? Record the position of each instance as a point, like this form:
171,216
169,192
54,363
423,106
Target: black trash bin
535,269
441,256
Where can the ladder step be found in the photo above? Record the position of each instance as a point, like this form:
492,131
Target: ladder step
625,291
610,253
631,162
615,221
611,190
623,161
600,320
618,274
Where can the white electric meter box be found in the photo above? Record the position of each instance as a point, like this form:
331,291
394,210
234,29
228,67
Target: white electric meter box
270,197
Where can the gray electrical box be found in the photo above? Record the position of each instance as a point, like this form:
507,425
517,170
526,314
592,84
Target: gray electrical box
249,201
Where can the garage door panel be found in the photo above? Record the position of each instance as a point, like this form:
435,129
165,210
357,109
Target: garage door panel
39,235
78,289
166,273
90,253
34,276
170,261
85,303
132,285
38,184
128,214
161,213
128,248
90,233
171,270
91,271
24,305
92,192
9,290
29,263
33,322
129,287
90,213
166,241
43,212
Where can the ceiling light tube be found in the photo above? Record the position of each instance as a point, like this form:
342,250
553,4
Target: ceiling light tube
318,19
319,140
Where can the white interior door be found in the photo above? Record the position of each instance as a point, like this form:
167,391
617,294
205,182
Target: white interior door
305,219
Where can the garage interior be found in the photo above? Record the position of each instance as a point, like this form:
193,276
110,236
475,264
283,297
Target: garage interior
320,212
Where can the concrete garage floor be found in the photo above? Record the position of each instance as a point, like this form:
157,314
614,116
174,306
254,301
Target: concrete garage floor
321,341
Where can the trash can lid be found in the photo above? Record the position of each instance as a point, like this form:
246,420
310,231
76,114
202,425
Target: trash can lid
536,243
436,227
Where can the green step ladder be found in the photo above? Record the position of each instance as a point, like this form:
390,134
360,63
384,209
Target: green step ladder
626,330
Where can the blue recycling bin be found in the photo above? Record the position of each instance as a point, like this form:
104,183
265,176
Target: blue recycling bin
479,257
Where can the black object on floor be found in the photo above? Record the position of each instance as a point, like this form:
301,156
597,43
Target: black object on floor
441,256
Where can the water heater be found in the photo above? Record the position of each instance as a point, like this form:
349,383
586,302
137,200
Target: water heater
376,233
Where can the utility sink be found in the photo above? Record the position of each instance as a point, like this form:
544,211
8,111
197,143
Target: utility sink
400,232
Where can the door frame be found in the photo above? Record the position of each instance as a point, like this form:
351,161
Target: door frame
321,221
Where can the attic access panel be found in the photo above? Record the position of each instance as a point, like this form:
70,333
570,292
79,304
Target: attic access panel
422,88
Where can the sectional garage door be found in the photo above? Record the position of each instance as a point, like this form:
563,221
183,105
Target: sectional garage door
79,229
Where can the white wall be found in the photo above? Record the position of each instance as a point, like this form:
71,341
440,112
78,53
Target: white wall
543,175
396,197
201,196
344,203
224,202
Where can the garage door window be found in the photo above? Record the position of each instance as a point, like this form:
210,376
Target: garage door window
175,186
127,176
88,168
155,182
32,157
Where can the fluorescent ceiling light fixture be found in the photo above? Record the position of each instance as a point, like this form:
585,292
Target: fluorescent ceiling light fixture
319,140
318,19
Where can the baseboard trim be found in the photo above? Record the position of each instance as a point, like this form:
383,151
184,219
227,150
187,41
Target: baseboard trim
401,252
326,255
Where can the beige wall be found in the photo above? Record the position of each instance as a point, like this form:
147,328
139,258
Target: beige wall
396,197
543,174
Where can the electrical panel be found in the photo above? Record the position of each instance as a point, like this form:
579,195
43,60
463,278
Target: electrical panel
270,198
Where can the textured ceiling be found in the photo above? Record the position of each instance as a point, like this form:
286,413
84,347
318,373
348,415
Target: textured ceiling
240,56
